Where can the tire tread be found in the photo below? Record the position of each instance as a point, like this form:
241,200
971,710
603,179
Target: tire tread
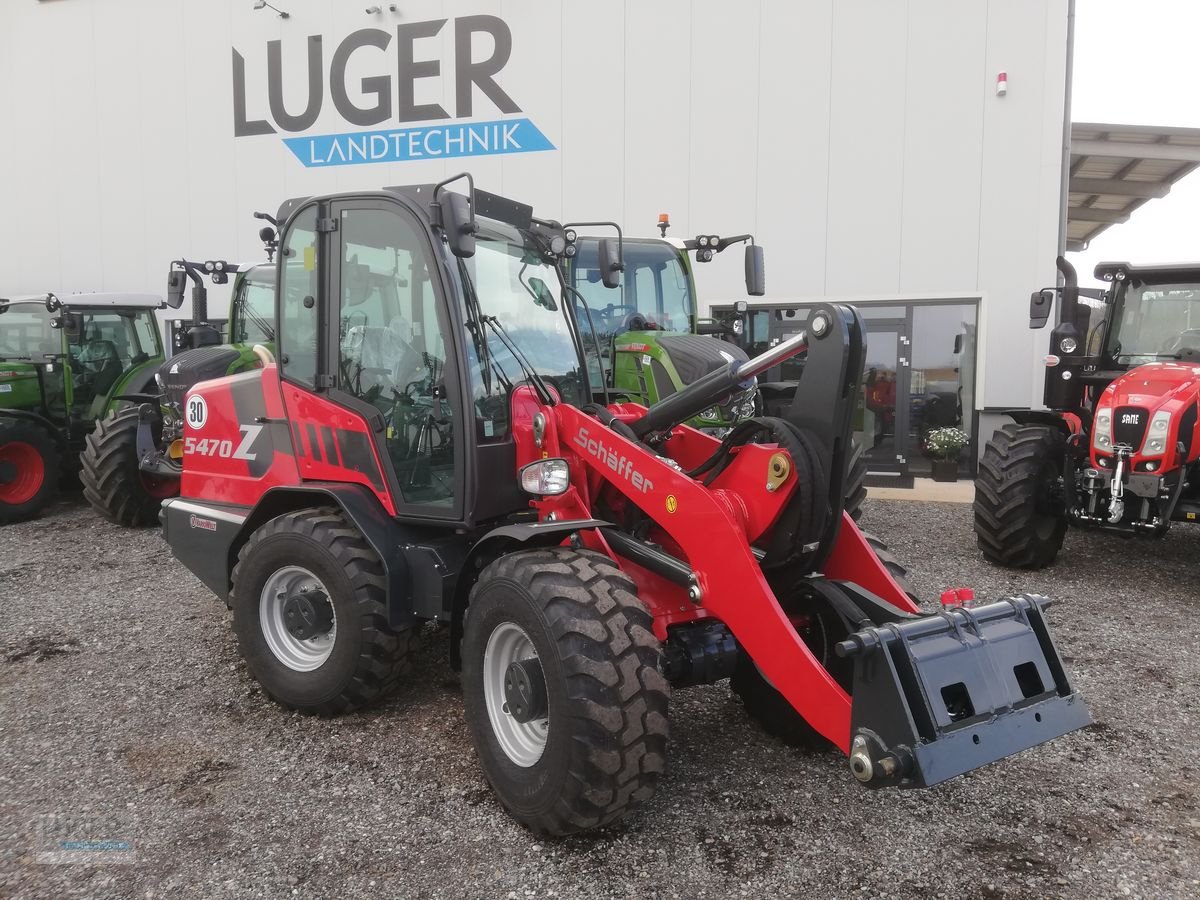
109,472
617,695
1006,497
386,654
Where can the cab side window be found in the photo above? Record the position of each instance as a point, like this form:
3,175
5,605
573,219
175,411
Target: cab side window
145,331
298,328
105,350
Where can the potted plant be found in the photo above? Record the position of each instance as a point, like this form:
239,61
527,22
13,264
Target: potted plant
944,445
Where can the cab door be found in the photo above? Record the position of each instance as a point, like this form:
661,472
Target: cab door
375,352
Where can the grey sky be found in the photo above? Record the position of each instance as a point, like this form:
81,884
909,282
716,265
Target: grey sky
1136,64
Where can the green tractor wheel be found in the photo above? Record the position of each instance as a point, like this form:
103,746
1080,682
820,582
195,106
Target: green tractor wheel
29,469
112,481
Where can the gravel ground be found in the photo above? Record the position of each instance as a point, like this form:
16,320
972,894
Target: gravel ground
126,715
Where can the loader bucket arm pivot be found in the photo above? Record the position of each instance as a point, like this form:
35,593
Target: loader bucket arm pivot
821,411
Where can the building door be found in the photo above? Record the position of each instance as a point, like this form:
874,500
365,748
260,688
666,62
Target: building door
881,419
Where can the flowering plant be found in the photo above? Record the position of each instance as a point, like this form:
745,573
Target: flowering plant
945,443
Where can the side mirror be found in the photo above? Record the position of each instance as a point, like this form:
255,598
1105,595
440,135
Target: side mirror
610,264
1041,305
176,285
756,277
458,221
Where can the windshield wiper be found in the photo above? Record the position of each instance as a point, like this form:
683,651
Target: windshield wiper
531,374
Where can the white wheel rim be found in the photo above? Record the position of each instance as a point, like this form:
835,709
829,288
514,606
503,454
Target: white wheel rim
298,655
522,742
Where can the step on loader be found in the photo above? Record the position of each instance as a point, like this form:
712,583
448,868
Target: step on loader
426,446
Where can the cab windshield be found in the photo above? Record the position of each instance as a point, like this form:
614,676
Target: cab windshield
25,331
508,279
1157,320
655,294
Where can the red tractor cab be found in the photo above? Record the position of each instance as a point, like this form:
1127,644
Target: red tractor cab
427,446
1117,446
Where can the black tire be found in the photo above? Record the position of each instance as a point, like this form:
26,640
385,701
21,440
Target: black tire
895,569
822,630
1020,514
29,469
606,697
368,658
856,481
112,482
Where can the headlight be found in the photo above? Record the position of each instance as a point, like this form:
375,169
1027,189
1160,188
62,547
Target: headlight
1067,345
546,477
1156,435
1103,432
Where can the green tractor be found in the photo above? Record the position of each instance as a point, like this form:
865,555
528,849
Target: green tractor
650,340
64,365
132,460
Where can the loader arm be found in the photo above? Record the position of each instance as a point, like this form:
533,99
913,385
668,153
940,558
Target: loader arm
728,585
933,695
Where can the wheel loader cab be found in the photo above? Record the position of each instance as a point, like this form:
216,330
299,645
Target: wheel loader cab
379,318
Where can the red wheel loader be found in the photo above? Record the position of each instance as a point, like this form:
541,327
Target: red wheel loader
427,447
1118,447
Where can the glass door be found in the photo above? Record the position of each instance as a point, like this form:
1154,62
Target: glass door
881,419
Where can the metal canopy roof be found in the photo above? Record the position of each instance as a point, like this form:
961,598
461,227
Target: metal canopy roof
1117,168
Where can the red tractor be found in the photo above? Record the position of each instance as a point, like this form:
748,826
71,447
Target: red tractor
1118,446
427,447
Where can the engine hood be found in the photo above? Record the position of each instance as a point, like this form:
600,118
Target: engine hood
1132,401
1163,385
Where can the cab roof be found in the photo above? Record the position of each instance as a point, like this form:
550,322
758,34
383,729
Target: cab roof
103,300
487,205
1164,273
